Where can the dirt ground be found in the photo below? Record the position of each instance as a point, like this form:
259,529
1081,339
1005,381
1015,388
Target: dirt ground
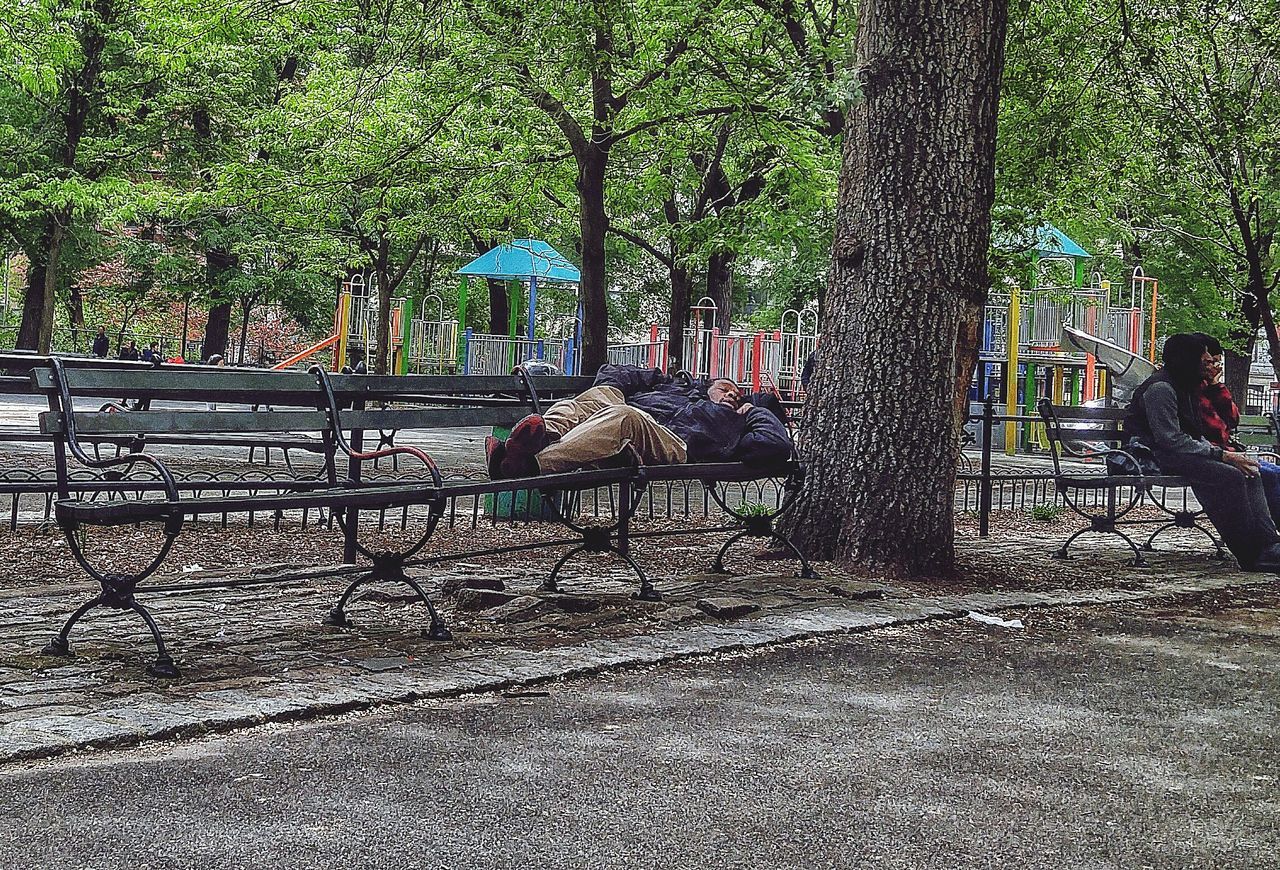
33,556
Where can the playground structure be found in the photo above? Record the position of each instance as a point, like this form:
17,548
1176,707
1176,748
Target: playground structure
769,360
426,336
1036,363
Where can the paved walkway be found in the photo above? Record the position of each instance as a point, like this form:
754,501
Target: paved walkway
256,654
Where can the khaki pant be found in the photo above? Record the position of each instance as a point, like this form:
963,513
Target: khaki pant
597,426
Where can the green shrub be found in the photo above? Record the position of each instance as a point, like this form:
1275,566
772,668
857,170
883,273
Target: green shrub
1046,513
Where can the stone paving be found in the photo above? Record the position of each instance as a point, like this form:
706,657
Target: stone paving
259,653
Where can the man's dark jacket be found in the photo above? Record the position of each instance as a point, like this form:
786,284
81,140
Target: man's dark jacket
100,346
711,432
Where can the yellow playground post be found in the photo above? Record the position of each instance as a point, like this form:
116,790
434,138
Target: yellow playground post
1011,384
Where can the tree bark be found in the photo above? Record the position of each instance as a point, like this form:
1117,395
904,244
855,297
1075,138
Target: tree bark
1236,374
75,312
499,307
913,228
679,315
33,300
593,223
720,287
219,265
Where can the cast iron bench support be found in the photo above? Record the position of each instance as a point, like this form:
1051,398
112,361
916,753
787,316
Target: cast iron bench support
1067,426
613,538
330,408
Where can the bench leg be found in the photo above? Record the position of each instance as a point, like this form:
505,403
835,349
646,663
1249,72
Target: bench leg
438,630
60,645
1187,520
646,592
806,571
1063,552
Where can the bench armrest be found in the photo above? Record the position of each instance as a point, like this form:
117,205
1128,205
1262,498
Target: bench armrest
73,443
335,429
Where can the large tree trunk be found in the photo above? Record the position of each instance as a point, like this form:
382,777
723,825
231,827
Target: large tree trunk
593,222
218,266
720,287
499,307
913,227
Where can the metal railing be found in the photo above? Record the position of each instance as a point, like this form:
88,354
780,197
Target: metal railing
499,354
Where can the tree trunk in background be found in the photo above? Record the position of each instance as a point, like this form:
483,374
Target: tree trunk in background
720,287
679,315
75,312
1236,376
219,265
33,301
36,330
912,233
49,299
499,307
593,222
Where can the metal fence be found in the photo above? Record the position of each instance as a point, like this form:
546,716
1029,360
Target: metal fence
499,354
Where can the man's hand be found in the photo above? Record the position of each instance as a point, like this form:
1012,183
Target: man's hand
745,407
1247,465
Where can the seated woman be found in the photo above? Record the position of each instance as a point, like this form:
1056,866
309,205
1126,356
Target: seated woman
1165,415
1221,417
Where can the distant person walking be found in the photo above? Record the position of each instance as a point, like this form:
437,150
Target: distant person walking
101,344
151,353
130,352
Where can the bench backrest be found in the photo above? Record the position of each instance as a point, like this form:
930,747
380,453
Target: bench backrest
286,401
1069,428
1257,430
1066,425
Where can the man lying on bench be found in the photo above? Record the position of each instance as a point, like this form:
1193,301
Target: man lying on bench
636,415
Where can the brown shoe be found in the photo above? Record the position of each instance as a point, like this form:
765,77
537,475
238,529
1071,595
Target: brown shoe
527,438
495,450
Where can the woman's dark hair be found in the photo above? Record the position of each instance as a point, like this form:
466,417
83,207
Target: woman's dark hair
1211,344
1182,352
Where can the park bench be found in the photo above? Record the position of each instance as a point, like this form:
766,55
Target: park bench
339,410
1108,501
16,381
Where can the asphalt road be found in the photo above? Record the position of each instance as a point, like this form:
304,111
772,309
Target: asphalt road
1145,739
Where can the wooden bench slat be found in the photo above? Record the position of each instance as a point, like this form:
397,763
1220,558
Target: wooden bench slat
166,421
251,386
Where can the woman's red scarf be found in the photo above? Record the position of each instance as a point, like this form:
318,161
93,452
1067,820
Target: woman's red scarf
1218,413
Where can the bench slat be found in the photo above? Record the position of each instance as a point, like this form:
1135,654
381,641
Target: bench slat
251,386
166,421
124,512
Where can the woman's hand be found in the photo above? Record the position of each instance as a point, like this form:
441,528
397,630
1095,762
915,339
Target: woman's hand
1247,465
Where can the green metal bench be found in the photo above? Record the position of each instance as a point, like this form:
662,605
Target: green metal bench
336,410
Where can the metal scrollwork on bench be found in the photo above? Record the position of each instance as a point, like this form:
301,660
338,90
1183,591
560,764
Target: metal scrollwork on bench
613,538
761,525
388,566
117,589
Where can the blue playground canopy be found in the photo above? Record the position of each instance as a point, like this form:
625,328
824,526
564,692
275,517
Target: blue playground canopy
527,260
1053,242
523,260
